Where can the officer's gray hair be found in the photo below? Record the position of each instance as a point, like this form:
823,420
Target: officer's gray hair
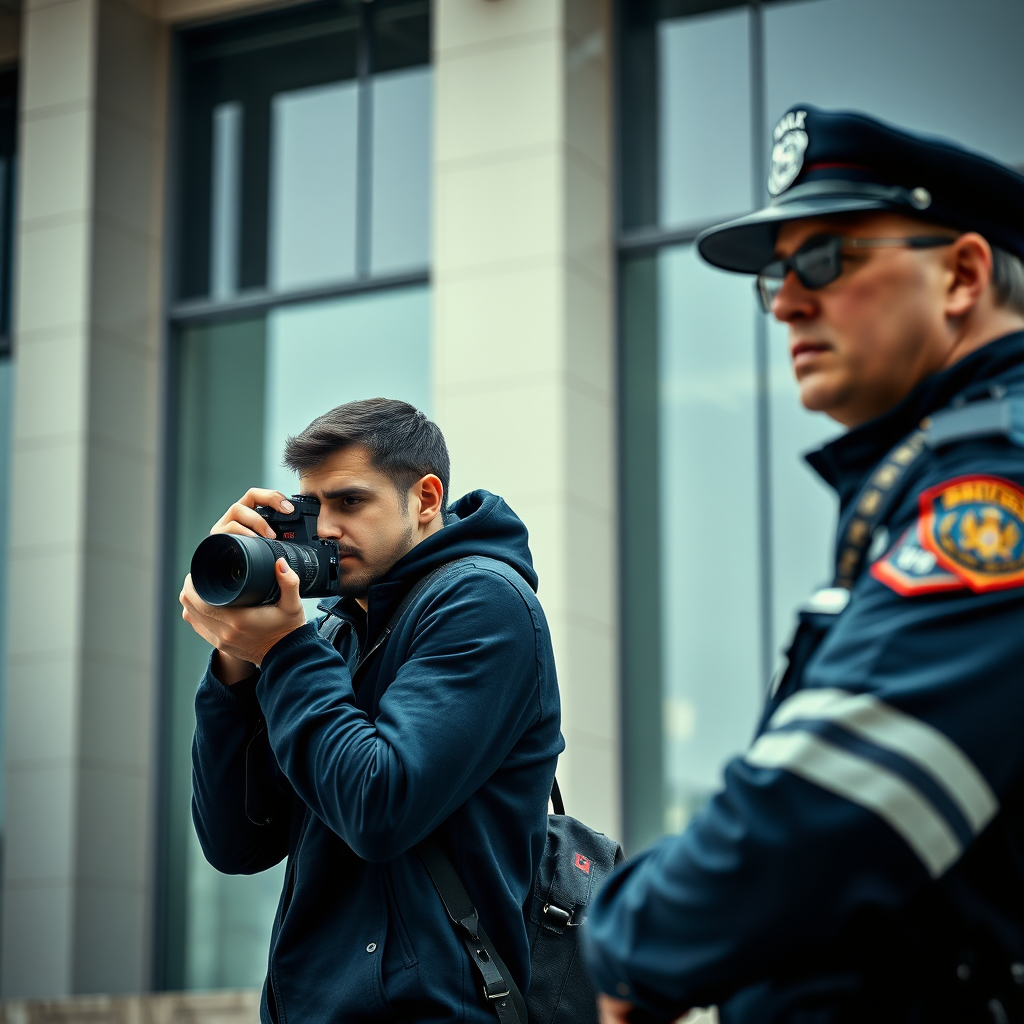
1008,279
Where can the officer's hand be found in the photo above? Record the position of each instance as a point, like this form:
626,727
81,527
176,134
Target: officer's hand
613,1011
244,635
243,518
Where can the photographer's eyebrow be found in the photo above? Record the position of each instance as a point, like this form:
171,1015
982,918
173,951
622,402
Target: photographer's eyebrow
343,492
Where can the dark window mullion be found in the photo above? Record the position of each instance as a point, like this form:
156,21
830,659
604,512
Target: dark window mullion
364,156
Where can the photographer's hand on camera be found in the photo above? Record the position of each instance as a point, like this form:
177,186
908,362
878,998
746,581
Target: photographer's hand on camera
242,518
242,636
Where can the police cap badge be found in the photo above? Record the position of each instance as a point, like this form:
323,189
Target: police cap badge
825,163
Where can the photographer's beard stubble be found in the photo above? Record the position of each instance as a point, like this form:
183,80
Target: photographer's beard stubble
356,579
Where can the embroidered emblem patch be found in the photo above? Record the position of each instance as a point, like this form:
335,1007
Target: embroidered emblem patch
974,525
910,569
788,152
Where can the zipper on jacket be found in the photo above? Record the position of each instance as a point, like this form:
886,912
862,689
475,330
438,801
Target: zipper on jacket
286,902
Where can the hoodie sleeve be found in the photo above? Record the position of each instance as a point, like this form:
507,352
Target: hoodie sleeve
227,740
465,694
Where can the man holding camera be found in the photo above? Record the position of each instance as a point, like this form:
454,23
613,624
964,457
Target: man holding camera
451,730
864,860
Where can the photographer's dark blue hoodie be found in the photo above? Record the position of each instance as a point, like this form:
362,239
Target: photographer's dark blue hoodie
455,727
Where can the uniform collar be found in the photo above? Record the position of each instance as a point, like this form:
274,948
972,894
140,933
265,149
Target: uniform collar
844,462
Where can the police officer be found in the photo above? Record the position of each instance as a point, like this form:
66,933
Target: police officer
864,860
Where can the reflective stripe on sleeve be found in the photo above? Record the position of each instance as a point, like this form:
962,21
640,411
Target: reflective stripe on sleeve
867,783
921,744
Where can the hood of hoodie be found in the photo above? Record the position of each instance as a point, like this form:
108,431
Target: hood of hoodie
479,523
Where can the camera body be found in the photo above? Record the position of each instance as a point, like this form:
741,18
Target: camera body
229,569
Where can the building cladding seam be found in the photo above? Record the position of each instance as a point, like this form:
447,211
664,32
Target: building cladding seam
864,782
887,727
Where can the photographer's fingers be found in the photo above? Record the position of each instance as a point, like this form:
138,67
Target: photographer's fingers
262,496
289,584
242,515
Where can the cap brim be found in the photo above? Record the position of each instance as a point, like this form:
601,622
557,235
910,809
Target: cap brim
747,244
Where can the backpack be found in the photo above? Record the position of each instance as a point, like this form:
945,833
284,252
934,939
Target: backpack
575,864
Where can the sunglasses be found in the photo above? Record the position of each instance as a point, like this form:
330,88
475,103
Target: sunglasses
819,261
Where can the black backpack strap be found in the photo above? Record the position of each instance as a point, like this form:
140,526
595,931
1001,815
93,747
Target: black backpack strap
500,990
556,798
331,625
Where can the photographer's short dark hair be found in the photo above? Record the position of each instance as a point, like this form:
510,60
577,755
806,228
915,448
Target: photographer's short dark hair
403,444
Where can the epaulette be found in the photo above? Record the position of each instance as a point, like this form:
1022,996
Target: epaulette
1001,415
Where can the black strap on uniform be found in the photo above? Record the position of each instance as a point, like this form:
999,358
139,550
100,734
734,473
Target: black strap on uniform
873,505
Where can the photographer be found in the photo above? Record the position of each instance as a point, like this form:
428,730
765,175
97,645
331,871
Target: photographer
453,727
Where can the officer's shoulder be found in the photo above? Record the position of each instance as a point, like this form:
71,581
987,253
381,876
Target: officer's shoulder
993,416
978,434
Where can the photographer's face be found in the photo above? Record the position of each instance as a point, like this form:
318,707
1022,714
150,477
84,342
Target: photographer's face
361,509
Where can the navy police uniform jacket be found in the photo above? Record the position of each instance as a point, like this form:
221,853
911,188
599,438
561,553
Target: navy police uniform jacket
454,728
864,860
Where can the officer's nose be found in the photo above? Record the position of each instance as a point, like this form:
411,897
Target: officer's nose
794,301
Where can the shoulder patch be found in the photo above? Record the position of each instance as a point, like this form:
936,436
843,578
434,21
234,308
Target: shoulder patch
974,525
910,569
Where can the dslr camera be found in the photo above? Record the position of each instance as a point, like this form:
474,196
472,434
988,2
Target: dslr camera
231,570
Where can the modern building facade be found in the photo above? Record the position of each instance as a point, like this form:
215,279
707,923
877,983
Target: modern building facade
219,218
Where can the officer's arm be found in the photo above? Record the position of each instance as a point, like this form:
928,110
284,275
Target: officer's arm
865,786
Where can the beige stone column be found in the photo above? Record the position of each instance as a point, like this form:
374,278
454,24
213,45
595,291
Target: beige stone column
84,542
523,326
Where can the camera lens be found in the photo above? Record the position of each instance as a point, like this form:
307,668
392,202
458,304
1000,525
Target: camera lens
234,570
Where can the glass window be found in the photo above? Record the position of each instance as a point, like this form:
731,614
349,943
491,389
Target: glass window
902,73
686,131
303,248
304,149
709,605
726,528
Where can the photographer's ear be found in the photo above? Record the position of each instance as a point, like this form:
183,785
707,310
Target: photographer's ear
426,499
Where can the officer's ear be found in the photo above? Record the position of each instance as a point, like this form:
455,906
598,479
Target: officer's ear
969,273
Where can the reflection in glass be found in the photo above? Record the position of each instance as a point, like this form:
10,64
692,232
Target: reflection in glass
685,133
711,685
322,355
313,186
225,199
902,73
704,127
402,127
6,427
305,148
210,940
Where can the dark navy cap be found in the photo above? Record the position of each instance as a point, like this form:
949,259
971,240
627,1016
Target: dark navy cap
829,162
